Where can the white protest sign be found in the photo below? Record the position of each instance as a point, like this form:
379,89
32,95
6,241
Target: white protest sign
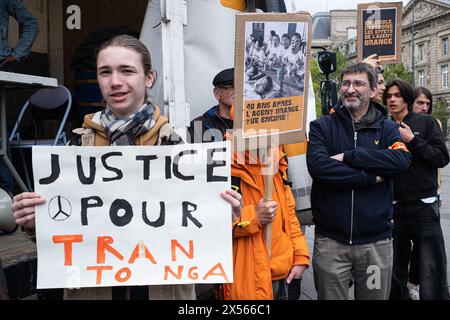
133,215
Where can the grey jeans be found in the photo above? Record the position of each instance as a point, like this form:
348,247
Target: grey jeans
334,264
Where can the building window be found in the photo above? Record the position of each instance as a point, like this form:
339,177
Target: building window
421,52
444,46
421,76
444,75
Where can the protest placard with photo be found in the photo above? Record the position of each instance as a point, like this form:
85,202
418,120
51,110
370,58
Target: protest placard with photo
117,216
271,82
380,31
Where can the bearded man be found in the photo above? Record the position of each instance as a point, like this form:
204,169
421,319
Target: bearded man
352,156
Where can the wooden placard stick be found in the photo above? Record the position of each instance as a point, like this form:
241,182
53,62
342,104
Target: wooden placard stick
268,191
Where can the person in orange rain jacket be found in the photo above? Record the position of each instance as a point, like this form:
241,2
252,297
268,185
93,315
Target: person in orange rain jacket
256,276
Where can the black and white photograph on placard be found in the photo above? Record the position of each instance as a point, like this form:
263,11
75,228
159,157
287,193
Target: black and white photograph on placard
275,59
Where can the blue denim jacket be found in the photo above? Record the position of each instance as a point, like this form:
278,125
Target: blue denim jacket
28,27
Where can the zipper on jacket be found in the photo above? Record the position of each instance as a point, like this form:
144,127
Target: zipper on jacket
355,138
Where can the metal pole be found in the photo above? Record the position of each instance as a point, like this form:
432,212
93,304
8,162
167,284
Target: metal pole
173,19
3,136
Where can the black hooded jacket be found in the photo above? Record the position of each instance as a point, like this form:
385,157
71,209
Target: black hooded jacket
429,152
348,204
209,127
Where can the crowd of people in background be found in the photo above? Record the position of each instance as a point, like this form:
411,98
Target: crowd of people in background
361,158
374,162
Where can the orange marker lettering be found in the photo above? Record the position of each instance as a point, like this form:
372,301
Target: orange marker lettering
99,270
123,275
222,273
167,269
68,240
175,244
193,274
141,246
103,244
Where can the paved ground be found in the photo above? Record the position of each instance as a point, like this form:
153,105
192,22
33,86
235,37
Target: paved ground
308,290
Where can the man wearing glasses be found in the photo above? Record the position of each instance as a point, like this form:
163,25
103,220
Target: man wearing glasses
212,125
352,156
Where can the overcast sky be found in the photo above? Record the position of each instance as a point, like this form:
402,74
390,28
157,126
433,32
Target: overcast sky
314,6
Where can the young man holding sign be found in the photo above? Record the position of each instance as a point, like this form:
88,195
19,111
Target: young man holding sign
125,74
352,156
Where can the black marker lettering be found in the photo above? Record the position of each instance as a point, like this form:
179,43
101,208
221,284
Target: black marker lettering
168,167
162,215
125,219
92,169
176,171
56,170
85,205
188,208
118,172
146,160
210,177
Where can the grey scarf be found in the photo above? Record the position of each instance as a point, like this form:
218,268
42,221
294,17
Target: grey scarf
123,132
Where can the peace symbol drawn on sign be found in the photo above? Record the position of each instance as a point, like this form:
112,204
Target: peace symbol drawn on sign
59,208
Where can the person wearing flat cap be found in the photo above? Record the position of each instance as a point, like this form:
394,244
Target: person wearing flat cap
213,124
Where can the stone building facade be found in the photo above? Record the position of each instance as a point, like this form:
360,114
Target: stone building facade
426,28
426,45
336,30
343,24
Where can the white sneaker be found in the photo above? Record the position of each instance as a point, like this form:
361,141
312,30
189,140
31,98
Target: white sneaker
413,291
